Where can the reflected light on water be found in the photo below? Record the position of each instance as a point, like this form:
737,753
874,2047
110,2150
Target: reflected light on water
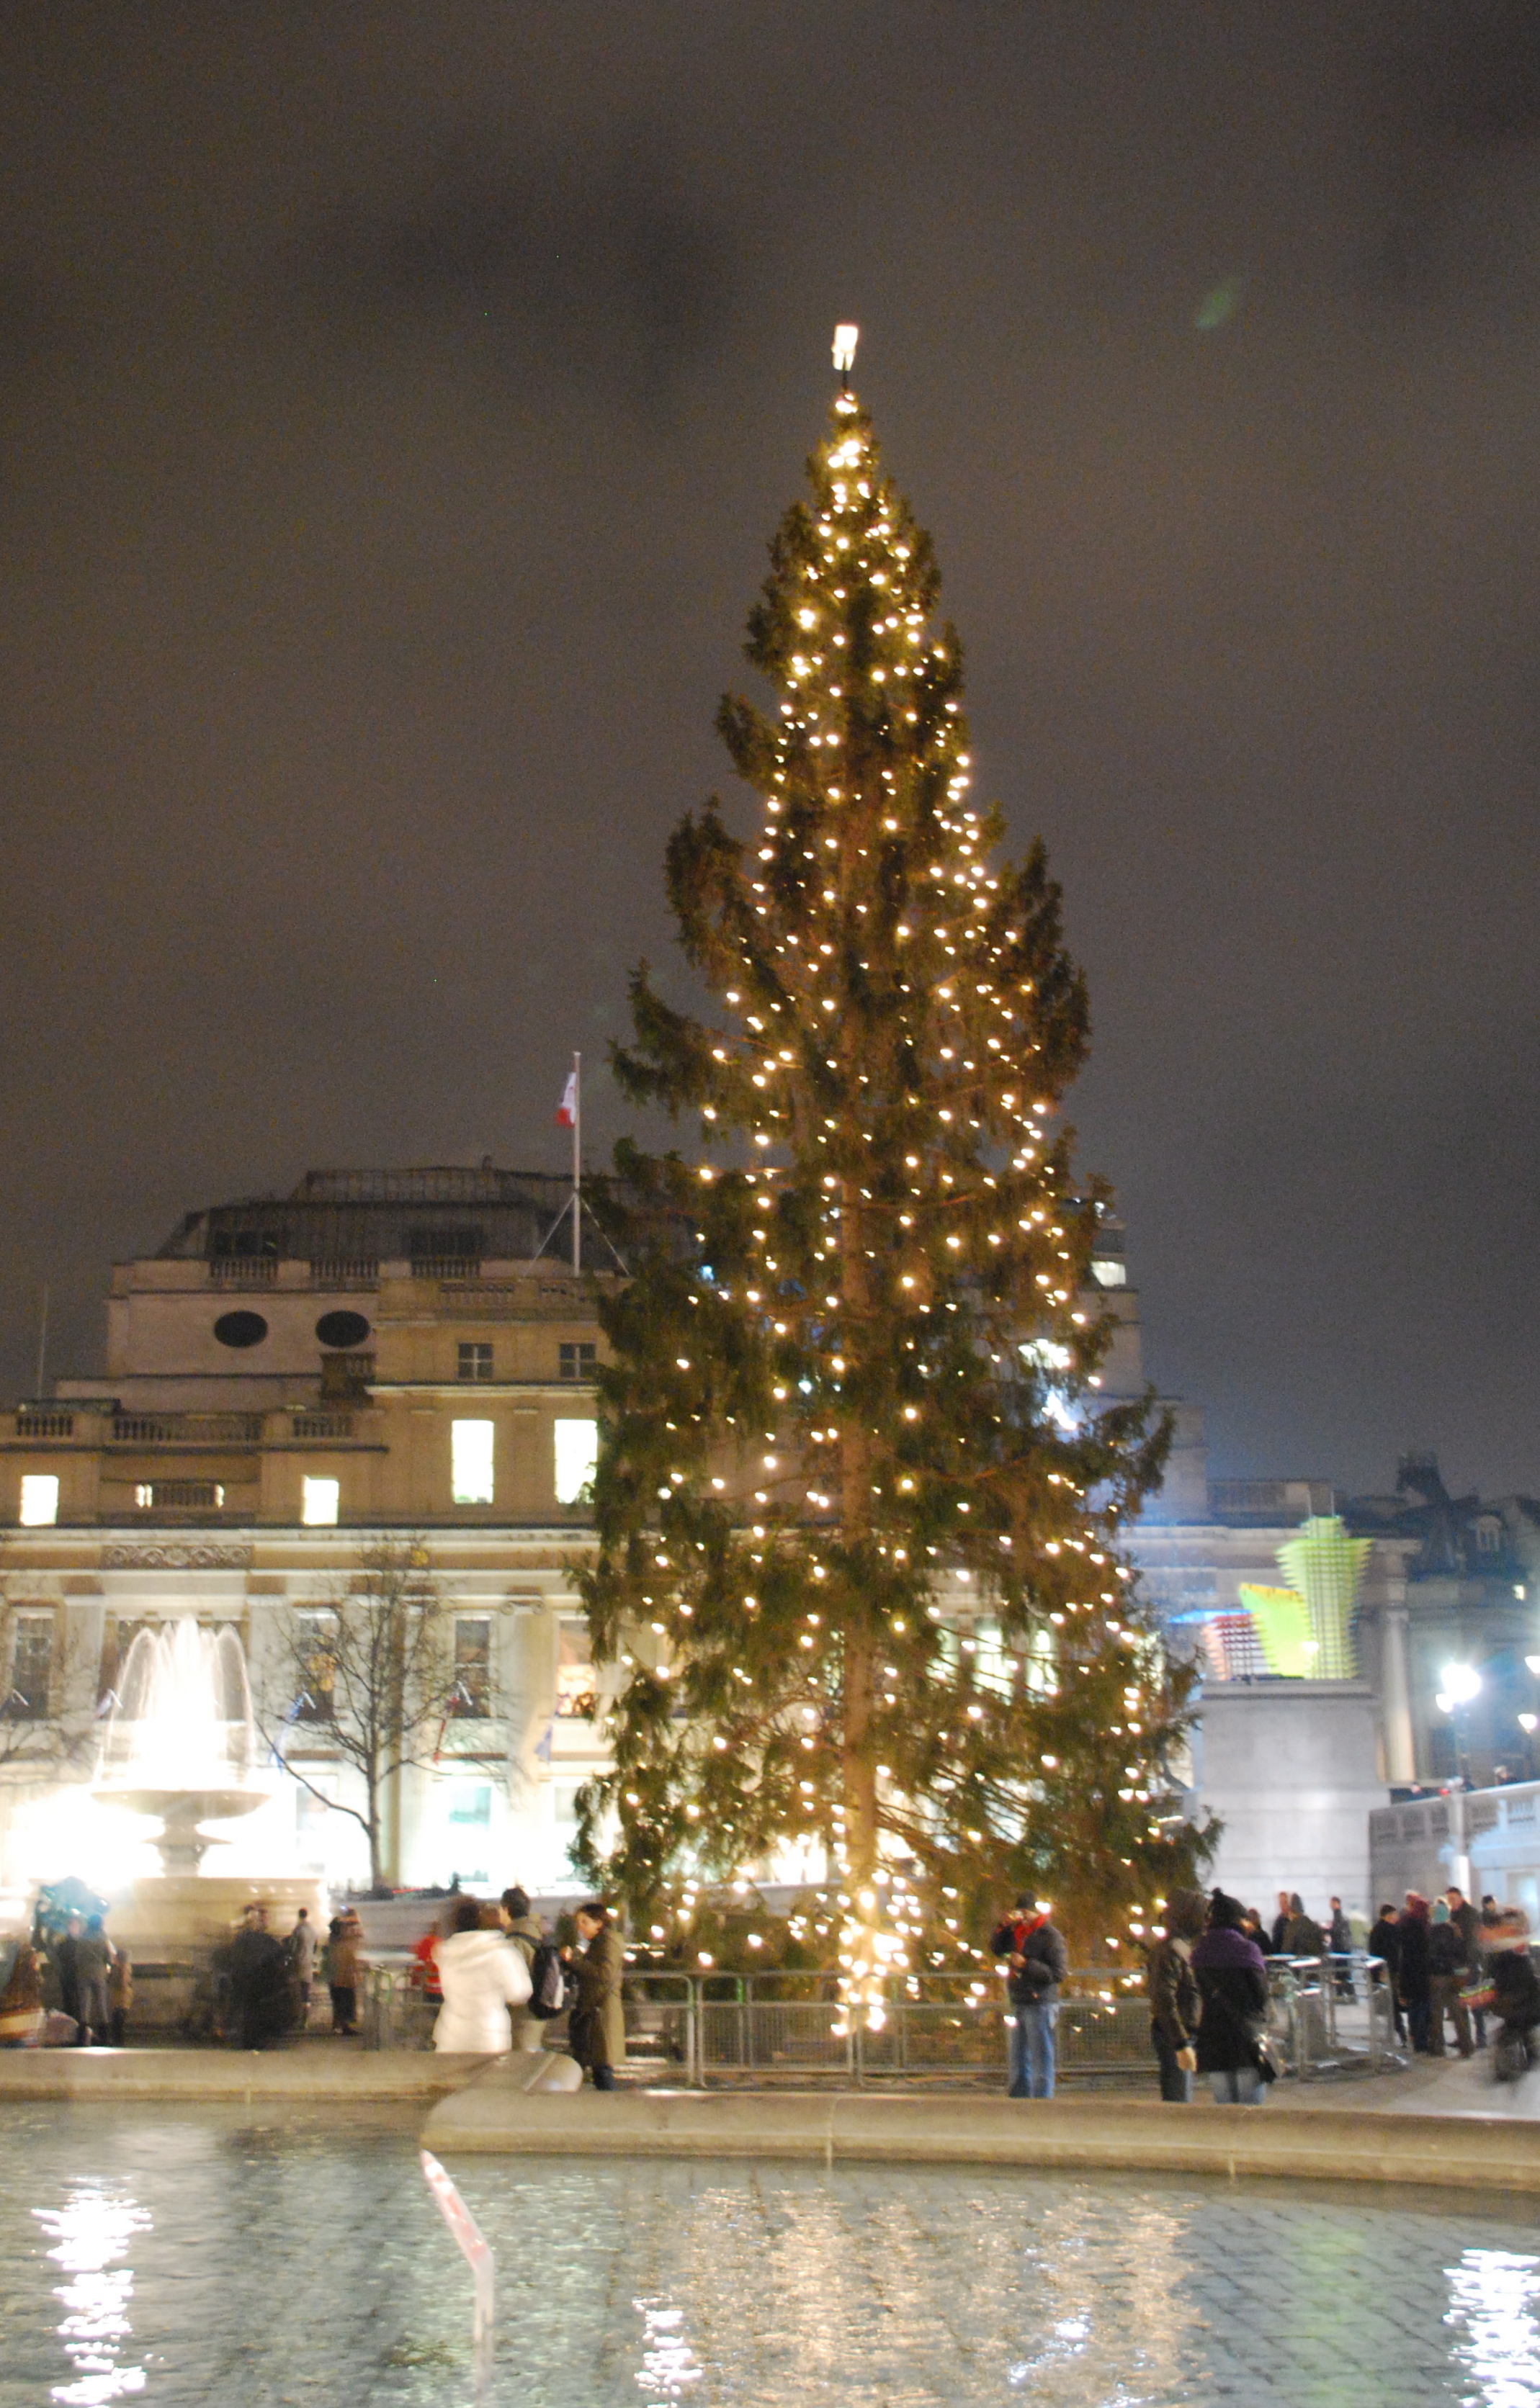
91,2234
1493,2297
667,2363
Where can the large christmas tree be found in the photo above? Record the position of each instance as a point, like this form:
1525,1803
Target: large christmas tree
858,1504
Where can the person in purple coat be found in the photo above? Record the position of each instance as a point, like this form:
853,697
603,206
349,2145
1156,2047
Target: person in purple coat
1232,1984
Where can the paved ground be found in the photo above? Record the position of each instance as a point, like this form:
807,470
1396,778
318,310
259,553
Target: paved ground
1428,2087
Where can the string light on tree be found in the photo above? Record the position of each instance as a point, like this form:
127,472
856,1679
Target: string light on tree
853,1471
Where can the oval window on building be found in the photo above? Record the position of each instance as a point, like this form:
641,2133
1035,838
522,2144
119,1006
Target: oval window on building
342,1330
240,1330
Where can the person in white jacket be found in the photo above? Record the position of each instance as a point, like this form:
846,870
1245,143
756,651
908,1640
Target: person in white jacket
482,1975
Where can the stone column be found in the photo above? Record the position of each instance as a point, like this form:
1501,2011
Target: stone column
1395,1685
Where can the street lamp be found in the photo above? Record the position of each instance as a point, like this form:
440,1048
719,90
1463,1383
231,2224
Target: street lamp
1461,1684
1461,1688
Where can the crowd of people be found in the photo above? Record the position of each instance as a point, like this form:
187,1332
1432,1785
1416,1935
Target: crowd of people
499,1977
72,1987
1446,1962
491,1970
1207,1977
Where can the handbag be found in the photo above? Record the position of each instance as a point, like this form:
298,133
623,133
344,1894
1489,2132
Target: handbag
1265,2057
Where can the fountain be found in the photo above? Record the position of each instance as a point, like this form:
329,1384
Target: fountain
183,1746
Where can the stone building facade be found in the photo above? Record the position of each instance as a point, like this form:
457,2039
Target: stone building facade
287,1381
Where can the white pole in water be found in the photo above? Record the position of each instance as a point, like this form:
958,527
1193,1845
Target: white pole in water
577,1162
476,2250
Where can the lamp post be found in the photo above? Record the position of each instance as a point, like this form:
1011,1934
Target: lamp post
1461,1688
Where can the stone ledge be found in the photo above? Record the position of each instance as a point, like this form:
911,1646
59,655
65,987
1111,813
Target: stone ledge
192,2074
1136,2136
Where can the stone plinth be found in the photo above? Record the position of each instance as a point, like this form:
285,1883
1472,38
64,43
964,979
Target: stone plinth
1291,1768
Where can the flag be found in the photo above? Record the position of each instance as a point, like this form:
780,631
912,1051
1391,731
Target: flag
566,1110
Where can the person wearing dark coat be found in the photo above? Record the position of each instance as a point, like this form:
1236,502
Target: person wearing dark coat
1516,1993
259,1980
92,1960
1037,1962
66,1967
596,2023
1174,1996
1446,1977
1413,1974
1339,1939
1383,1942
1232,1978
1303,1934
1469,1920
1280,1925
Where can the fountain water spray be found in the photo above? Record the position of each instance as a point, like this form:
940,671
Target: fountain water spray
181,1742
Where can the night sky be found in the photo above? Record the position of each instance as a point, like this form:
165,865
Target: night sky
395,405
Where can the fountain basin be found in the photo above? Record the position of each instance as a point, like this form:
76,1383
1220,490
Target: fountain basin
182,1844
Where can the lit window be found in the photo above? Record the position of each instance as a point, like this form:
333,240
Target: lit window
39,1499
315,1660
475,1359
575,1693
472,1666
470,1803
577,1362
1108,1272
31,1668
470,1462
577,1459
322,1499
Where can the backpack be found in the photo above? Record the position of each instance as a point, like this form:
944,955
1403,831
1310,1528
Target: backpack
547,1982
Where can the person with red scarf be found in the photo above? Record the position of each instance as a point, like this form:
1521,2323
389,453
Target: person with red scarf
1037,1962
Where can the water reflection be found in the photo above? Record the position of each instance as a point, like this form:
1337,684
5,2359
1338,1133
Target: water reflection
198,2259
1493,2297
667,2363
92,2234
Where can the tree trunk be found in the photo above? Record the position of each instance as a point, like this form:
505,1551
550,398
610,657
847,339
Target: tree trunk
858,1772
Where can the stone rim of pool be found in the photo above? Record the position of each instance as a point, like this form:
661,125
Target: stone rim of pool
491,2116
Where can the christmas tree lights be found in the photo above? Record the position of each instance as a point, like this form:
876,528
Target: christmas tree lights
859,1502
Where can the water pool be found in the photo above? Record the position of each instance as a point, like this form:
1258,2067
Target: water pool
205,2256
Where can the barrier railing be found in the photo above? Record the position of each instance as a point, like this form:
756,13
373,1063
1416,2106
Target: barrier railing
1327,2016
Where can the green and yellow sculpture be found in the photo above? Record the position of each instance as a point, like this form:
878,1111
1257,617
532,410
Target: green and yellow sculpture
1306,1629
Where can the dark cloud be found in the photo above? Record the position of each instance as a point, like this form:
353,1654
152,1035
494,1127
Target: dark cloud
394,407
607,267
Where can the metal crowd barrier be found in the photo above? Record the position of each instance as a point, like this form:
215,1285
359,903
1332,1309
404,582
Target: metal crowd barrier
1328,2015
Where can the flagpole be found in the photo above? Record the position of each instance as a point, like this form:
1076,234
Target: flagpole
577,1162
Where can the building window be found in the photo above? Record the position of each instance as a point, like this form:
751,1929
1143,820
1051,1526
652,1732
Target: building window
1108,1272
40,1500
1488,1534
179,1496
316,1632
470,1462
31,1668
472,1665
577,1459
471,1828
475,1359
576,1694
322,1500
576,1361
